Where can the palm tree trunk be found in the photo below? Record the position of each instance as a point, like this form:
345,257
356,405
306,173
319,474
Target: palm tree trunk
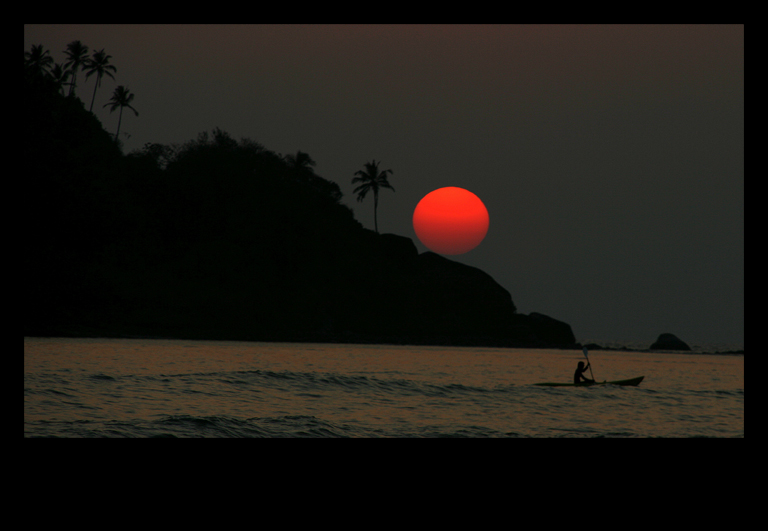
98,77
375,209
119,119
72,85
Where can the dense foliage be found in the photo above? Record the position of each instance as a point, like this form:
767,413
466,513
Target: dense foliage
207,234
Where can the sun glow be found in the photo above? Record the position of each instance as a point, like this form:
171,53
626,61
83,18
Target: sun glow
450,220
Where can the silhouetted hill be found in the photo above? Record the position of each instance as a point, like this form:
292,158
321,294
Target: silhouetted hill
225,239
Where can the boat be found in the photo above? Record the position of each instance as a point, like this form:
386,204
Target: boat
630,381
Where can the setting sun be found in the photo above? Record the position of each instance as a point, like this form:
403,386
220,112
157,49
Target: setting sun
450,220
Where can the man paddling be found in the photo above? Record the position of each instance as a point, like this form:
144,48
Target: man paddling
578,376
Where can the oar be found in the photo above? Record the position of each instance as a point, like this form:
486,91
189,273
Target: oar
584,350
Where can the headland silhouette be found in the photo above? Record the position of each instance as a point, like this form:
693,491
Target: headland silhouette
219,238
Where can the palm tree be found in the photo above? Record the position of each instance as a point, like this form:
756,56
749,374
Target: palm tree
372,179
300,166
300,162
122,97
99,64
77,53
37,61
60,75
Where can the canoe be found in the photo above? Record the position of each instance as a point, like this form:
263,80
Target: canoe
630,381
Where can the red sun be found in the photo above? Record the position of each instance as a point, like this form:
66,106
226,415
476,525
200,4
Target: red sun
450,220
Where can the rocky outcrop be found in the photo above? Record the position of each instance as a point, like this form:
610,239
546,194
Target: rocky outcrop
452,299
669,342
430,299
551,331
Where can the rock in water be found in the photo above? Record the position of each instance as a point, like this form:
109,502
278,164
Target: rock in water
669,342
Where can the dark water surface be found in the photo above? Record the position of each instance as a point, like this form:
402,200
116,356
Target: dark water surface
177,388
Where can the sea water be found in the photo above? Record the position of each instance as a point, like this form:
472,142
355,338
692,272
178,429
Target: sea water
178,388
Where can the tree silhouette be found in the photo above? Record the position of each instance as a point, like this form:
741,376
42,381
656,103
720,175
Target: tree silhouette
300,166
372,179
59,75
99,64
37,61
300,162
122,97
77,53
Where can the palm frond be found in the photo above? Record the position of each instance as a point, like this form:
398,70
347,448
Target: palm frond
362,190
37,60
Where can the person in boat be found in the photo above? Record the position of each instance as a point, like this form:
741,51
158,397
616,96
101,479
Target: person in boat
578,376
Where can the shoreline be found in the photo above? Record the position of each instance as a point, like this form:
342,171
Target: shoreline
592,347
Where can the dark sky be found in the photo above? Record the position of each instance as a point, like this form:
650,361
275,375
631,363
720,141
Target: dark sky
611,158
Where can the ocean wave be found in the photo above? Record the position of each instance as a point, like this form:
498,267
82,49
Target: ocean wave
103,377
387,386
287,426
313,381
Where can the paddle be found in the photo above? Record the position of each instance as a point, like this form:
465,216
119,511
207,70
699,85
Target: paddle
584,350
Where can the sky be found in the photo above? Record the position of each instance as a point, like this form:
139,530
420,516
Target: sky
610,157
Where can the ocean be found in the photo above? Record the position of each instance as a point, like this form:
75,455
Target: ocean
176,388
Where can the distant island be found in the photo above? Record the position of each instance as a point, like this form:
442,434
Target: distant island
220,238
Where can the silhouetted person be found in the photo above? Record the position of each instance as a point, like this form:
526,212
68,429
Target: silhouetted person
578,376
